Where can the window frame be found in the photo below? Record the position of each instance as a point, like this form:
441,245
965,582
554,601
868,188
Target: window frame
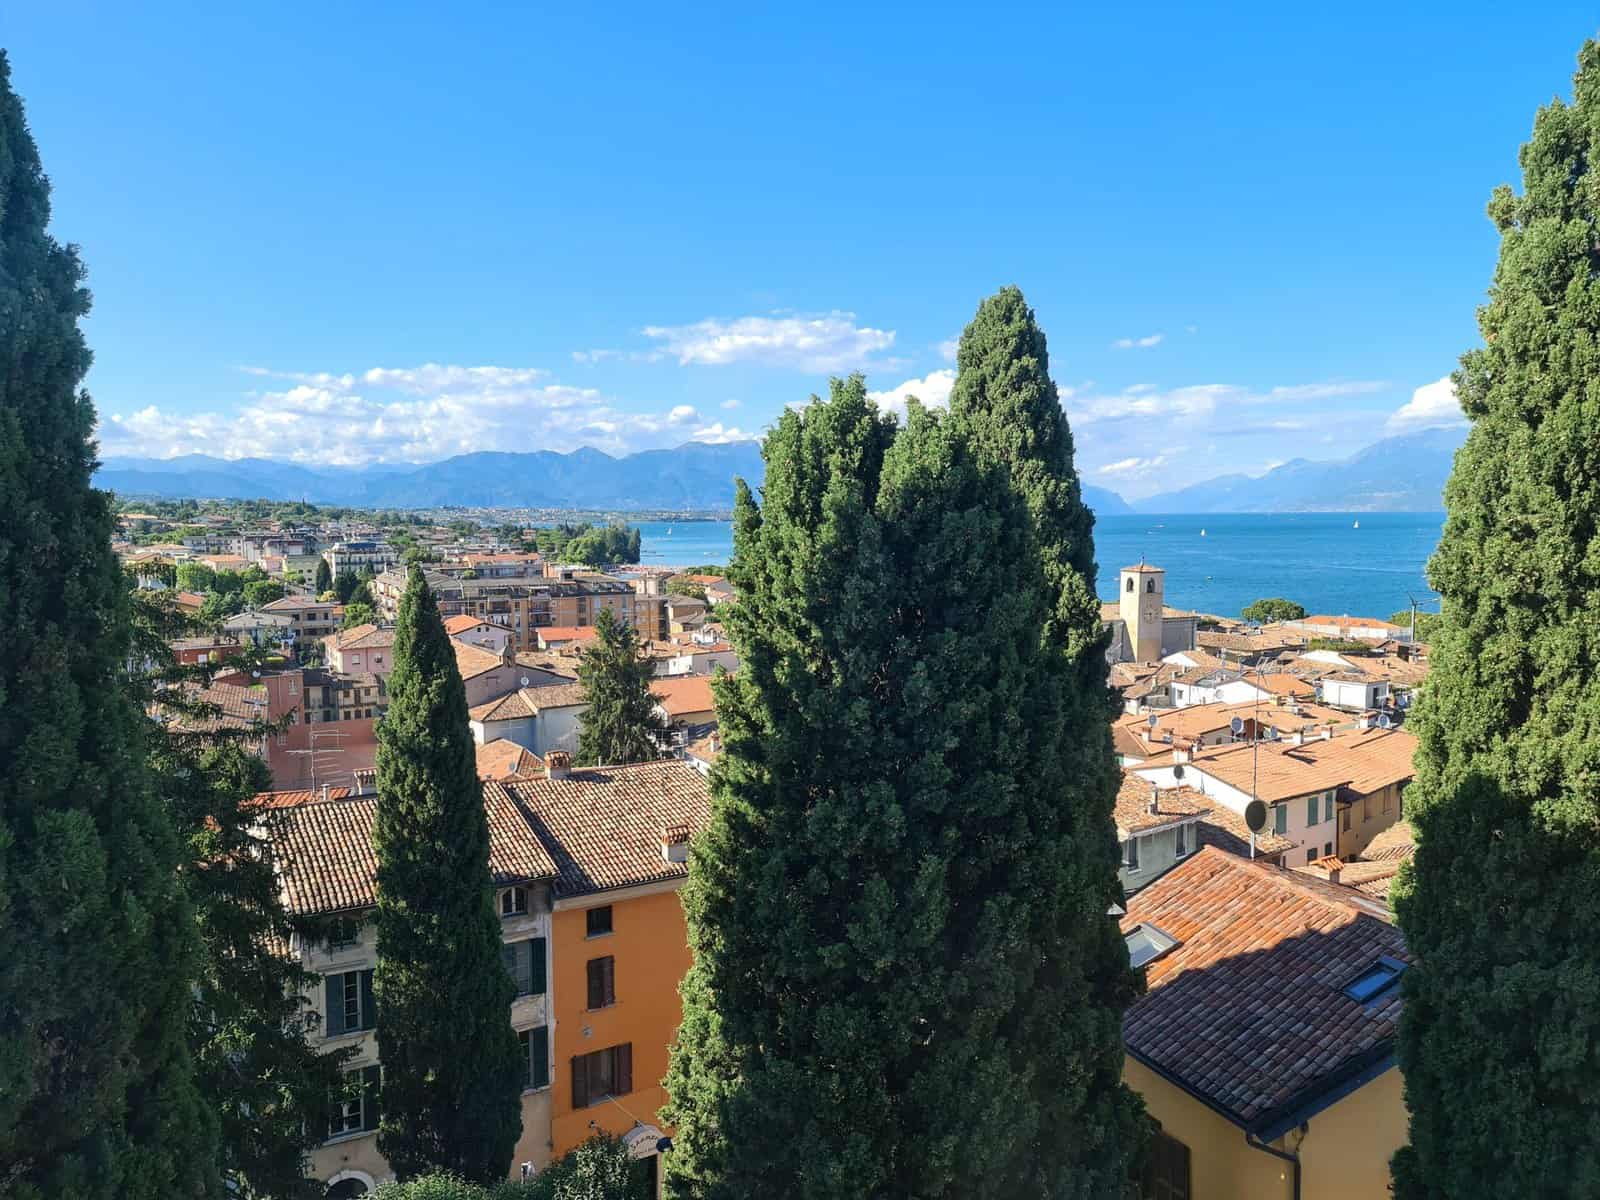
535,1044
1280,819
360,996
591,1073
1180,840
1130,853
590,922
601,979
537,980
517,896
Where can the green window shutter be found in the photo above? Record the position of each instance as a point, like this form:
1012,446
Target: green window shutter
1312,806
539,1056
536,967
333,996
371,1090
1280,819
369,1003
1328,814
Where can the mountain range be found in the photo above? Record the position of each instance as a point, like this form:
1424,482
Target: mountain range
1398,474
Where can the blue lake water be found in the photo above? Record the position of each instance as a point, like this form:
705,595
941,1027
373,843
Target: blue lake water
1321,560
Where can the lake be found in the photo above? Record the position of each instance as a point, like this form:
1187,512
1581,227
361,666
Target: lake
1364,564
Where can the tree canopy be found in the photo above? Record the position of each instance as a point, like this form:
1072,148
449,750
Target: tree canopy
1273,608
621,722
1500,1032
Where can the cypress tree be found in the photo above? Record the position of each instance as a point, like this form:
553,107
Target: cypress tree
862,906
1006,405
452,1075
620,723
1500,1031
324,577
97,947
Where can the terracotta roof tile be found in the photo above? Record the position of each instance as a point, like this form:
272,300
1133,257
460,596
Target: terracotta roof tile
363,637
503,759
683,694
1173,805
603,825
472,660
1248,1011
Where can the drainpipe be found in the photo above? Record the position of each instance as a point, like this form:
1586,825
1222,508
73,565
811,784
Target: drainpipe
1292,1158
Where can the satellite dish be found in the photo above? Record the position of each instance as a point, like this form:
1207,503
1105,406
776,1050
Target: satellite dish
1255,815
1236,725
1177,771
525,681
1152,720
1384,721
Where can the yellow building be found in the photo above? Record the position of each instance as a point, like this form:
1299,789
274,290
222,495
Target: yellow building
1264,1047
619,836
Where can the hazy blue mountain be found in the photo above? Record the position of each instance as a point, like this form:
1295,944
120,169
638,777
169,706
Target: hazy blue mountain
1104,501
693,476
1398,474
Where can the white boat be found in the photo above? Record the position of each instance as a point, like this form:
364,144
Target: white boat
1202,533
1357,525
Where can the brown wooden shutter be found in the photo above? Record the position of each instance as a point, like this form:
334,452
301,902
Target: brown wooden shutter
624,1083
597,983
580,1081
610,979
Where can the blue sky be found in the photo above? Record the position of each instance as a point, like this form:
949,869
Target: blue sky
339,233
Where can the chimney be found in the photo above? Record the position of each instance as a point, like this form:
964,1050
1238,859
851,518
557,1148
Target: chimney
1295,738
1155,798
1180,754
675,844
1365,722
324,791
558,764
1327,733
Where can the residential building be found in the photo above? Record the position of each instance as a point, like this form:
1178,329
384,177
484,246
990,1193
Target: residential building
261,627
1158,828
539,718
504,761
619,943
1319,790
1143,629
194,651
1353,691
685,700
1347,628
361,649
579,601
516,605
475,631
310,620
359,556
488,676
329,870
565,637
1264,1044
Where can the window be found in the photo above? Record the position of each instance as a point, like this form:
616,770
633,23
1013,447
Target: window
1388,799
1130,584
1183,840
599,921
513,902
1366,808
1166,1172
604,1073
342,934
525,963
350,1004
1327,849
1346,816
1376,980
1146,943
536,1053
1313,806
1130,854
602,982
354,1109
1328,807
1150,586
1280,819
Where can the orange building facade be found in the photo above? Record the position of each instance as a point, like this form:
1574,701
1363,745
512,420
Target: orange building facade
618,958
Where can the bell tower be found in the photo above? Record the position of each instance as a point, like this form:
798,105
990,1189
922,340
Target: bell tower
1142,595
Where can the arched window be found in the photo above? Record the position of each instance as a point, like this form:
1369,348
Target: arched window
346,1188
1150,585
513,902
1130,583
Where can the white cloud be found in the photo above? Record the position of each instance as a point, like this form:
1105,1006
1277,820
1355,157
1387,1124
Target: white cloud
1432,406
828,342
717,434
1201,400
932,389
730,403
1139,343
948,348
410,414
1132,467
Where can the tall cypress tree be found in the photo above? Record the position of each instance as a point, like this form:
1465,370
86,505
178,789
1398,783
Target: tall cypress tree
97,947
1500,1033
863,906
324,577
620,723
452,1076
1006,405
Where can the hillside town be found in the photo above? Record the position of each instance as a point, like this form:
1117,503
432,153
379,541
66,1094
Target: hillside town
1263,765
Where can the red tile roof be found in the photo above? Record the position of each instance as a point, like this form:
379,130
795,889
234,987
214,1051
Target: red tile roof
503,759
472,660
603,825
1248,1012
683,694
465,621
295,797
327,862
1173,805
565,633
363,637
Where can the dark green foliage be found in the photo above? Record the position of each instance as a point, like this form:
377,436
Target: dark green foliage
597,1169
1500,1035
345,584
249,1022
97,944
452,1068
594,545
324,578
262,591
904,981
1272,608
358,613
1340,645
195,577
621,723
